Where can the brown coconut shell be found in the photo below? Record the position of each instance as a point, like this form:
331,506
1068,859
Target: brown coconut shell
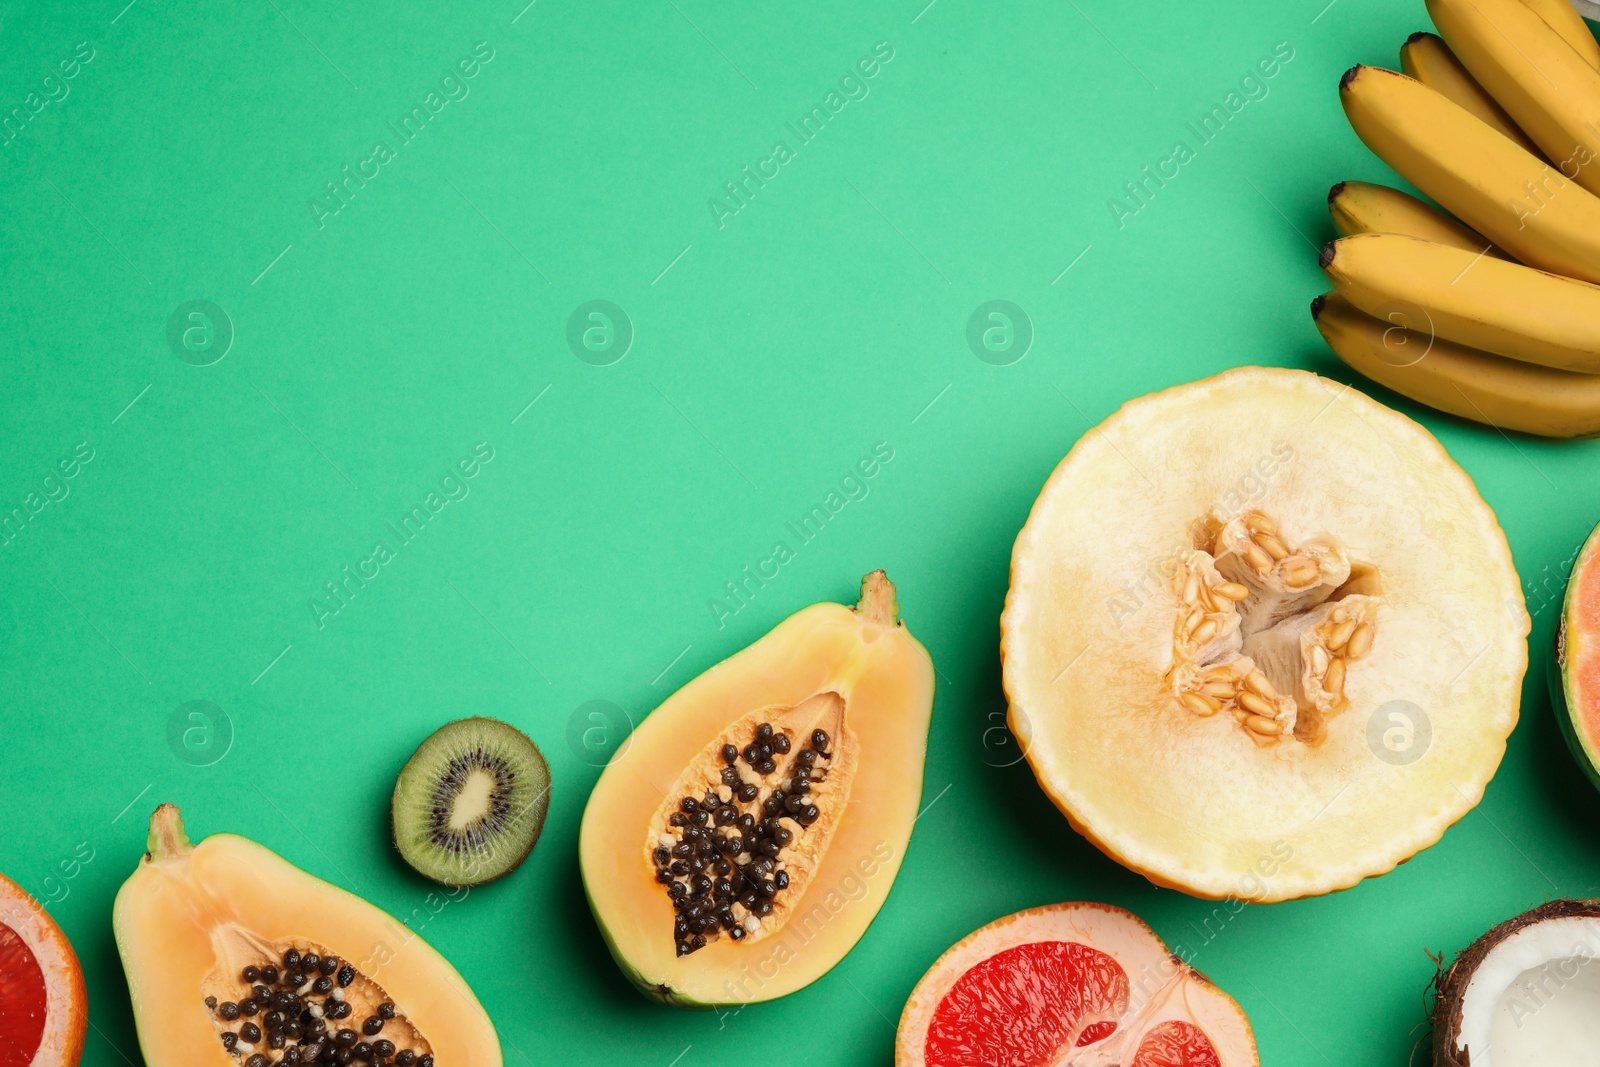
1451,985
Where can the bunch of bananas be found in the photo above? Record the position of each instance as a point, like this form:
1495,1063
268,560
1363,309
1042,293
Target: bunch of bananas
1493,315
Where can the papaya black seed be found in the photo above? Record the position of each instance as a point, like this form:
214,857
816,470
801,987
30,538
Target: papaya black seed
276,1041
746,823
819,740
294,979
679,867
689,804
339,1009
721,866
683,850
426,1060
780,744
730,777
344,1056
730,754
309,961
404,1058
383,1048
322,986
372,1026
699,818
251,975
248,1007
782,836
250,1033
733,845
764,732
661,856
261,995
293,1031
748,792
273,1020
229,1039
329,965
363,1052
725,815
702,884
806,757
683,948
228,1010
345,1038
771,806
291,958
769,888
211,1002
258,1060
269,974
763,908
736,932
800,787
766,766
678,819
698,942
781,879
765,748
347,974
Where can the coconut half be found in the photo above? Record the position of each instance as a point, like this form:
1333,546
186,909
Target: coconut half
1525,994
1263,638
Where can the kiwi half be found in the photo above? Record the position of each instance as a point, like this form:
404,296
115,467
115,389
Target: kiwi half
470,802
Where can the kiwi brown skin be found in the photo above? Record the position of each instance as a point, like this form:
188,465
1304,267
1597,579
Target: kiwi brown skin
1451,985
538,821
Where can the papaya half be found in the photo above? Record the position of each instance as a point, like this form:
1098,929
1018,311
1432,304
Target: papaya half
739,843
237,958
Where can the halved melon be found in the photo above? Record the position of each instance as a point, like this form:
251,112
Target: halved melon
1263,638
43,1007
1575,683
1069,984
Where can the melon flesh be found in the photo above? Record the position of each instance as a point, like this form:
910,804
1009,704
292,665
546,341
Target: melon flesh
1576,680
1340,778
1069,985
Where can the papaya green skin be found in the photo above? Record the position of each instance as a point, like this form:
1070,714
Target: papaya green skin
1563,685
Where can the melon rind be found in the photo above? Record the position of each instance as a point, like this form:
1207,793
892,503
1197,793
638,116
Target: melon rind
1190,802
1576,698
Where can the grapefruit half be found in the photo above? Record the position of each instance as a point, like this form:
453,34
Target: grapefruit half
1070,985
43,1005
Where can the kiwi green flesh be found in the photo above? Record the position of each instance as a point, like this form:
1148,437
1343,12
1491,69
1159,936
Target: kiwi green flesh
470,802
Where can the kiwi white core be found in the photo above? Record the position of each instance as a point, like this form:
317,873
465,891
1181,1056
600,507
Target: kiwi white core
474,801
1534,1001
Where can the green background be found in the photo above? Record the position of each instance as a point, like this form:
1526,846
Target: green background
768,356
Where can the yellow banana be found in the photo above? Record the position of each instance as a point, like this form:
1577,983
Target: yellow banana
1565,20
1462,381
1549,90
1428,59
1466,297
1363,207
1511,197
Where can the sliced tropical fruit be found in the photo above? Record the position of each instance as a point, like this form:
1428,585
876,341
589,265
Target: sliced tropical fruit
1525,994
1263,638
43,1006
1069,984
716,851
1575,683
237,958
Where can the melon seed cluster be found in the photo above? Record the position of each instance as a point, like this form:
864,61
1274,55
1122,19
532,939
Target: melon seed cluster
286,1015
719,859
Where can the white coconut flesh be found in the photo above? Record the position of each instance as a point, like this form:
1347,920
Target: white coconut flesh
1264,638
1534,1000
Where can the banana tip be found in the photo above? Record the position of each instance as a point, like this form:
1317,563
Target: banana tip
1316,304
1325,257
1418,36
1334,191
1349,76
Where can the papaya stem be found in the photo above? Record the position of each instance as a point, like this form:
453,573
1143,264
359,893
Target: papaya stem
878,601
167,840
